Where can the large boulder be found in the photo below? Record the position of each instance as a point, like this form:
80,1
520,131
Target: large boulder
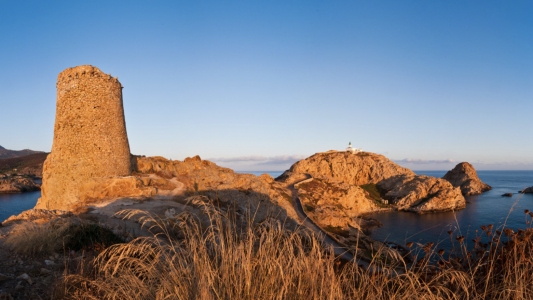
465,177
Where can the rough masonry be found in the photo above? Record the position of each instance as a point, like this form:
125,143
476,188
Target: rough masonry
90,138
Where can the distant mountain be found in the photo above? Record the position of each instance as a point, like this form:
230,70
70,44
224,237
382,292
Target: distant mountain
29,165
6,153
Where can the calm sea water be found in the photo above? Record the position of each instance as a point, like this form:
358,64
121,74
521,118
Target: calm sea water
14,204
487,208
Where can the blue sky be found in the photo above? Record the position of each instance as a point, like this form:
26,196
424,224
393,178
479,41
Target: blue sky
256,85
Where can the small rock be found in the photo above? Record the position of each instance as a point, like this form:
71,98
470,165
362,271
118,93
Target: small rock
51,258
507,195
26,277
19,286
49,262
45,271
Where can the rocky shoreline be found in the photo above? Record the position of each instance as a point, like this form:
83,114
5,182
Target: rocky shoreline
18,185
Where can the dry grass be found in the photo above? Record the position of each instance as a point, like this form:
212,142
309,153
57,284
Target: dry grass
235,259
30,238
58,235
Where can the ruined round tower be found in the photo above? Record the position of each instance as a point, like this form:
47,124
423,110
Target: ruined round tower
90,138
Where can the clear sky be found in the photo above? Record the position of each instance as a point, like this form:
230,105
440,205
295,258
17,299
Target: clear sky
256,85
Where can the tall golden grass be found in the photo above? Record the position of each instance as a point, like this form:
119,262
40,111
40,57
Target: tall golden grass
237,259
30,238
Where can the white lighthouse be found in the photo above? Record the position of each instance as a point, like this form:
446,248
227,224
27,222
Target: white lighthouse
353,150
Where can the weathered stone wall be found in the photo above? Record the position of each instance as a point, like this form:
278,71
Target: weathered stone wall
90,138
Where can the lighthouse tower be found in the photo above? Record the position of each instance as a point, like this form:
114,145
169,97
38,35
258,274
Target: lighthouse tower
352,150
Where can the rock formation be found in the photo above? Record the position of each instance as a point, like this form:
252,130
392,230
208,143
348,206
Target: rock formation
18,185
465,176
421,193
334,204
528,190
261,196
380,184
507,195
90,139
355,169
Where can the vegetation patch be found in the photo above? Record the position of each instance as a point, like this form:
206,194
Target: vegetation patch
309,208
362,154
41,239
426,199
226,261
374,193
28,161
90,237
286,197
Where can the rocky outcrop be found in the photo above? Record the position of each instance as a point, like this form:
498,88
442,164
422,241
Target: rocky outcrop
261,196
18,185
380,184
528,190
355,169
334,204
90,139
507,195
421,194
465,176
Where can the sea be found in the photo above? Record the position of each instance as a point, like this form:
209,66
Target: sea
485,209
402,227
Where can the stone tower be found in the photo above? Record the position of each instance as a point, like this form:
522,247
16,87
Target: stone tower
90,138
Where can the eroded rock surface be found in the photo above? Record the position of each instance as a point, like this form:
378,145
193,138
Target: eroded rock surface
355,169
465,176
18,185
421,193
334,204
